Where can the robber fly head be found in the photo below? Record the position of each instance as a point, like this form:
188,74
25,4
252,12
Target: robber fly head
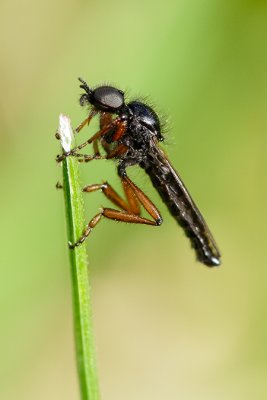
135,114
103,98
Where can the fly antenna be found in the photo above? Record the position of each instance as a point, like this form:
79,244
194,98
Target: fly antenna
85,86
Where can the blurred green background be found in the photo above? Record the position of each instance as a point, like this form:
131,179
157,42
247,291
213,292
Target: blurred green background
166,327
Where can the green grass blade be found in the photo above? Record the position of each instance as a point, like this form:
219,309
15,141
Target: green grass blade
82,302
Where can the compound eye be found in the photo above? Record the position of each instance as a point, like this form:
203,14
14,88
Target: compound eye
108,98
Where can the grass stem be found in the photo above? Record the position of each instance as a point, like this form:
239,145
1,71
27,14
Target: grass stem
82,301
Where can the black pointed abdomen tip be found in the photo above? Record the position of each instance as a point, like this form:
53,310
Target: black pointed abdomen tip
212,262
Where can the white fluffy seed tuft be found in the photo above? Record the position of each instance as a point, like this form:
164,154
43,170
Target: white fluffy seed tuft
65,132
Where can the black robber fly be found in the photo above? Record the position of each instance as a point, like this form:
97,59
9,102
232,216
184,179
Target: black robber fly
130,133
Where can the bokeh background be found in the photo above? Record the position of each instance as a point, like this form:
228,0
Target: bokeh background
166,327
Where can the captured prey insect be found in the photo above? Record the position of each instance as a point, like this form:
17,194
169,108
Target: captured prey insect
130,133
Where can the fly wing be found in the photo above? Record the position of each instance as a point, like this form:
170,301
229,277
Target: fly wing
180,204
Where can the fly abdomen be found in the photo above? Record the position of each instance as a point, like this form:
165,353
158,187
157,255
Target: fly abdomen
181,206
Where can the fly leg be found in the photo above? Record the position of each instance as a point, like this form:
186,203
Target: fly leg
130,205
86,121
105,119
84,158
81,157
129,209
117,125
82,124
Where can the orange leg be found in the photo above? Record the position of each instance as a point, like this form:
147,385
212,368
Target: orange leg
84,158
116,124
131,203
130,210
96,148
105,119
86,121
82,125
